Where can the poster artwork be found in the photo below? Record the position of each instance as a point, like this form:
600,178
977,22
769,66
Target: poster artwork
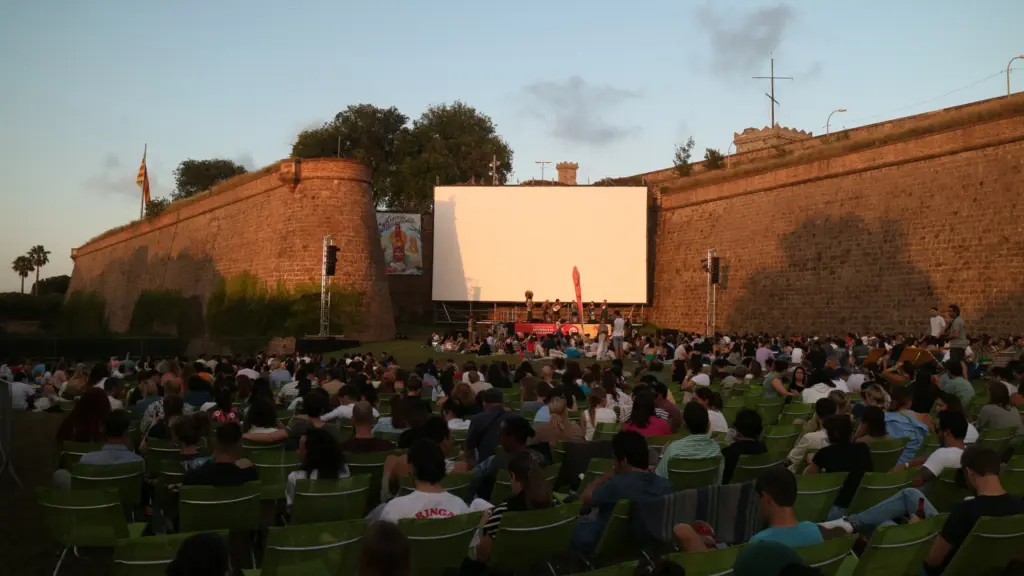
400,238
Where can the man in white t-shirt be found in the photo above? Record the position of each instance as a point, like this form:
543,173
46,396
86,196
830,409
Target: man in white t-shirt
951,430
936,322
618,333
21,392
429,499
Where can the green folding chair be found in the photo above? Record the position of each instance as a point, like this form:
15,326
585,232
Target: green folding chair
208,508
732,407
372,464
531,538
330,500
928,445
877,486
606,430
711,563
625,569
751,466
457,484
528,414
168,472
558,452
996,439
158,450
458,436
502,489
439,544
617,541
84,518
781,438
690,474
148,556
251,448
886,453
125,478
274,467
284,416
326,549
770,409
829,555
662,441
815,495
72,452
944,491
1012,477
899,549
989,548
796,411
596,468
389,435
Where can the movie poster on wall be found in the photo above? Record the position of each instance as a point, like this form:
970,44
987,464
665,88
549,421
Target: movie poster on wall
400,238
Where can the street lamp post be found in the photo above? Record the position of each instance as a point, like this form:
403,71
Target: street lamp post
1008,72
827,122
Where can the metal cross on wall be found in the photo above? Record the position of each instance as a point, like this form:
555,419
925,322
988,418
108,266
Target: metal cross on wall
772,77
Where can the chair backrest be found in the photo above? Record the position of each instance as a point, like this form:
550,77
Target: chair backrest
595,469
457,484
781,437
148,556
945,491
529,538
996,439
899,549
606,430
330,500
928,445
617,535
439,544
251,448
91,518
991,545
72,452
503,483
624,569
662,441
687,474
327,548
770,409
1012,477
815,495
274,467
168,471
371,463
877,486
711,563
751,466
828,556
205,508
125,478
558,452
886,453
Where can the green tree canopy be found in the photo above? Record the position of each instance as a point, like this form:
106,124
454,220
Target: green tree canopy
194,176
40,257
156,207
53,285
366,133
22,266
681,158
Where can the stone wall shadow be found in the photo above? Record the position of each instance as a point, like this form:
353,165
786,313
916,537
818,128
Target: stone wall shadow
841,274
1003,314
450,267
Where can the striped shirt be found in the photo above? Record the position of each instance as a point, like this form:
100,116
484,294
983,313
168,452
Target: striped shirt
692,447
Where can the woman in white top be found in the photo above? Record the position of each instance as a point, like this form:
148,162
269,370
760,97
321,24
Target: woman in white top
321,458
713,402
597,413
696,377
613,396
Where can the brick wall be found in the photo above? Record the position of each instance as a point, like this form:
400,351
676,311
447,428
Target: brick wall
270,224
867,238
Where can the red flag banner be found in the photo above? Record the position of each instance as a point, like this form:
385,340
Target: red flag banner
579,294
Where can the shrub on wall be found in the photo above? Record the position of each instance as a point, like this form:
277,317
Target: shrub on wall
166,312
26,307
83,314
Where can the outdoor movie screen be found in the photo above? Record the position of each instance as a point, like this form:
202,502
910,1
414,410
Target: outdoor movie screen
493,243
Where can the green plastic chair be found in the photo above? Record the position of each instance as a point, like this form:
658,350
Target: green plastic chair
147,556
158,450
84,518
526,539
372,464
690,474
72,452
990,546
815,495
457,484
625,569
996,439
899,549
798,410
529,414
829,555
944,491
327,548
928,445
751,466
732,407
596,468
274,467
1012,477
877,486
251,448
168,472
886,453
558,452
781,438
389,435
606,430
770,409
662,441
284,416
439,544
207,508
711,563
458,436
617,539
330,500
503,483
125,478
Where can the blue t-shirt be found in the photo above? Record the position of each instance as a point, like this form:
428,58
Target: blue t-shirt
803,534
543,414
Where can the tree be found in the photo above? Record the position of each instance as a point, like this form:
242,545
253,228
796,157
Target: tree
22,266
681,160
40,257
156,207
448,144
362,132
53,285
713,159
194,176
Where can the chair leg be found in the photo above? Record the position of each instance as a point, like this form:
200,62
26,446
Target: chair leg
60,561
552,569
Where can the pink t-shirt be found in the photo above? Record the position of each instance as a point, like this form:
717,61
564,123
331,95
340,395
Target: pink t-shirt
655,427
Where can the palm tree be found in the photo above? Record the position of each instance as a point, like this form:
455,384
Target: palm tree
40,257
22,266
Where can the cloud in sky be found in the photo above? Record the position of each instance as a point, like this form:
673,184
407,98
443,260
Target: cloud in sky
578,112
741,43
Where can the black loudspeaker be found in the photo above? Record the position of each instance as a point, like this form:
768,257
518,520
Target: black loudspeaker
332,260
715,269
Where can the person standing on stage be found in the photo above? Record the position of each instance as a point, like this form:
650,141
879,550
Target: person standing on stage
604,312
529,305
545,310
472,329
556,310
591,311
618,333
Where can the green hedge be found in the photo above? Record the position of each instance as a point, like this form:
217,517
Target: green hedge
83,314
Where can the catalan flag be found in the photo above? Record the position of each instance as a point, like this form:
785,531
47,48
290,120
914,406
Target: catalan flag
143,179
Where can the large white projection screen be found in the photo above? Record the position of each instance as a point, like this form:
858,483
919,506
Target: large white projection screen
493,243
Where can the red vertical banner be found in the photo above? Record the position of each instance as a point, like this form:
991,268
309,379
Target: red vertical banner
579,295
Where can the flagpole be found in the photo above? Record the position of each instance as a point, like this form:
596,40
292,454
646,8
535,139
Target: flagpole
142,195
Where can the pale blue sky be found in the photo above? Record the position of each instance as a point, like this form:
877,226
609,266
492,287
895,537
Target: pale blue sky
609,84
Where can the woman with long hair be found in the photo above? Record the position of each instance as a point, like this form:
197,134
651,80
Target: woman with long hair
642,417
224,410
616,397
572,392
261,417
85,422
75,386
559,427
842,455
530,491
465,401
713,402
97,375
523,370
321,458
496,377
872,426
799,380
596,413
999,413
173,408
